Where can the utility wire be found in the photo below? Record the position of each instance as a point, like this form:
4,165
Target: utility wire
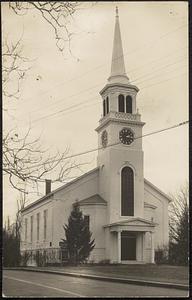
52,114
144,87
159,59
114,144
160,75
83,102
75,105
125,54
93,87
62,110
93,150
70,96
100,101
159,69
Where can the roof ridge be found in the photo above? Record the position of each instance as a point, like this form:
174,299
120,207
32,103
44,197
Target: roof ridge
60,188
157,189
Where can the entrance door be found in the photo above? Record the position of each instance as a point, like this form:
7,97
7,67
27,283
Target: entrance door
128,245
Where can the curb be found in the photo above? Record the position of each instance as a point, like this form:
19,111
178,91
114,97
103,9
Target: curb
105,278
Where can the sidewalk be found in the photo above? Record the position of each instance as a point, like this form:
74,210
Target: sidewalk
151,275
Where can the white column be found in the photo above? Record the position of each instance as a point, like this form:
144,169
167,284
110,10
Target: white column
152,248
143,246
119,246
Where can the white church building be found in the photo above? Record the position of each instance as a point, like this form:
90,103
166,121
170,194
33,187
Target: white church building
127,215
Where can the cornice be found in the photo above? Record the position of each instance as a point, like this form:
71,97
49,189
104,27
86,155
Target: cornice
121,85
113,120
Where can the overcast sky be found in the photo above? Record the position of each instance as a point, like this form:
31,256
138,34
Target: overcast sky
155,43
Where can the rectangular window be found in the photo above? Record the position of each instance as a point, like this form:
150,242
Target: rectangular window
45,223
121,101
107,102
127,192
38,223
86,218
25,229
31,229
129,104
104,111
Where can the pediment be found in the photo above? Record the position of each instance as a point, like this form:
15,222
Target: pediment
132,222
93,200
136,221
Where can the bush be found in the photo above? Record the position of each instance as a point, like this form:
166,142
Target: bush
11,249
25,258
177,256
40,258
161,255
104,262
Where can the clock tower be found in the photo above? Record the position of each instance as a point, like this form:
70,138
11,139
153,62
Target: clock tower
120,156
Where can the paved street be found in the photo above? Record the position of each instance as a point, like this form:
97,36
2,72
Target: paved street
21,283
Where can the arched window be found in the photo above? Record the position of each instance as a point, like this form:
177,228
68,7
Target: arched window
127,192
107,102
104,113
121,103
129,104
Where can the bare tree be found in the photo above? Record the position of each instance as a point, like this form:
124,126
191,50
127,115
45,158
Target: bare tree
24,161
18,222
179,227
178,208
57,14
24,158
14,67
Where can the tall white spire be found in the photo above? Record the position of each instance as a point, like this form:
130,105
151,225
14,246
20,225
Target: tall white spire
118,72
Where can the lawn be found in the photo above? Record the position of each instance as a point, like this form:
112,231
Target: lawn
163,273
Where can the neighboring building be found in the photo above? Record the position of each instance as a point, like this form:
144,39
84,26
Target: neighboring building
128,216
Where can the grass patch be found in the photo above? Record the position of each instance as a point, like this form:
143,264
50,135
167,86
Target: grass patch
164,273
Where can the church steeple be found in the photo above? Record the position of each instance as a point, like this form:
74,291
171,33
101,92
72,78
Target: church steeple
118,72
119,95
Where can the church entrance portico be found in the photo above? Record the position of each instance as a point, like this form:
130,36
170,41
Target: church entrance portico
133,240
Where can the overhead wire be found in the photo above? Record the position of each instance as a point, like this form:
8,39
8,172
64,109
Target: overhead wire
93,87
144,87
99,148
125,54
80,103
67,109
161,68
117,143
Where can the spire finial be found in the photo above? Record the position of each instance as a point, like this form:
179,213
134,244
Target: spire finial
117,12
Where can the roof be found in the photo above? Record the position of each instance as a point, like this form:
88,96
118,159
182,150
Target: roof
59,189
118,73
93,200
157,190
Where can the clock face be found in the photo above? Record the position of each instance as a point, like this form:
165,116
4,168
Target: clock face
126,136
104,138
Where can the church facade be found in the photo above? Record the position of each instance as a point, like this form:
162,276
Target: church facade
127,215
